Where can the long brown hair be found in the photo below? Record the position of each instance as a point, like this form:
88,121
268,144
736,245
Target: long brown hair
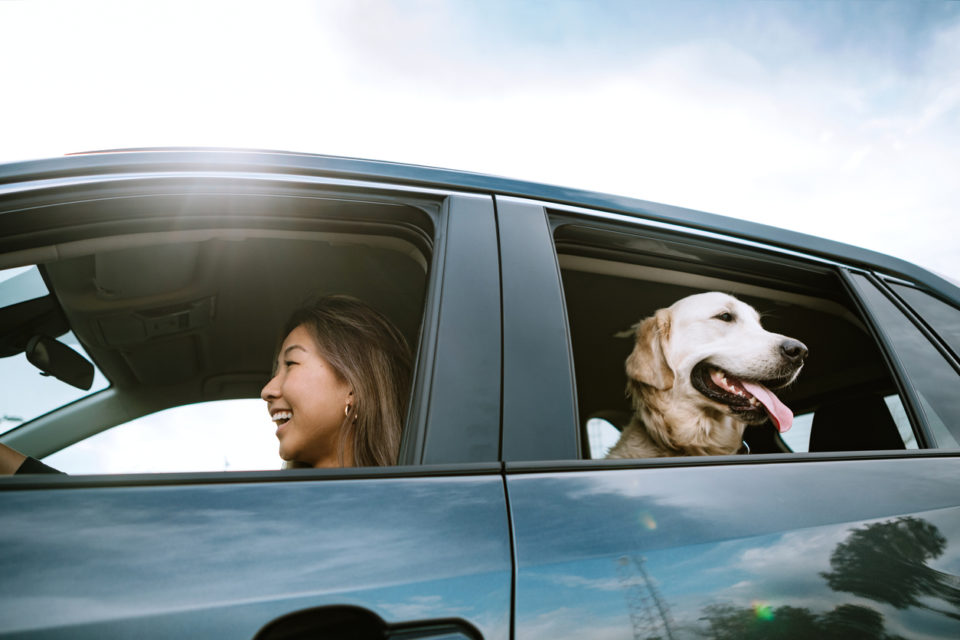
370,354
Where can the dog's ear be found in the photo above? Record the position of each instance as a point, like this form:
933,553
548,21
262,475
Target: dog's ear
647,363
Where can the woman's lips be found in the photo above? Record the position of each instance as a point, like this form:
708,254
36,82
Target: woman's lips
281,417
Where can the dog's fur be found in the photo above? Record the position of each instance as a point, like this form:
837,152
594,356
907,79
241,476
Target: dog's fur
672,417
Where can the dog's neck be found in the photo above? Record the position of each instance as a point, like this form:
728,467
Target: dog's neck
677,429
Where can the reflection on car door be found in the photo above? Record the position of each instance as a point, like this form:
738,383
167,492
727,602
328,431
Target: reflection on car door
787,549
225,558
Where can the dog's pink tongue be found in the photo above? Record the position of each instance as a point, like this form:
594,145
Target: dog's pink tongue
780,413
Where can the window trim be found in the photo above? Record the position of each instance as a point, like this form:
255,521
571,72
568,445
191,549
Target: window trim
908,392
622,223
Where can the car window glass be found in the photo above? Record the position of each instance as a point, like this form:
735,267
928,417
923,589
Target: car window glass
944,318
601,435
930,375
798,437
899,414
20,284
28,393
227,435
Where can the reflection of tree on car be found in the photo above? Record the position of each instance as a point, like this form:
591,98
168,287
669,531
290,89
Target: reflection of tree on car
885,562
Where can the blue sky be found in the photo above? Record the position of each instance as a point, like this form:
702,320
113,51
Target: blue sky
839,119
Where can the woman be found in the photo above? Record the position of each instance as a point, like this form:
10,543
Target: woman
338,394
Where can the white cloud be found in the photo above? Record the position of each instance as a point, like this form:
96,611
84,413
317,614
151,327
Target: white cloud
762,117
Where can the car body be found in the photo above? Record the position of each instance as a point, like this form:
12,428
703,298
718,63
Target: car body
175,269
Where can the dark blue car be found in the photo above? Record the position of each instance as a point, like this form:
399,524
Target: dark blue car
172,271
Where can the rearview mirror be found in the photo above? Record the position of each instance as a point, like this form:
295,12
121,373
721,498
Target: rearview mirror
56,359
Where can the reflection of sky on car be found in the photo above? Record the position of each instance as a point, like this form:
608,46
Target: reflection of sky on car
264,549
574,577
762,573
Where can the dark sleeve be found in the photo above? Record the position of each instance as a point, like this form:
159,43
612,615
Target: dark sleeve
32,465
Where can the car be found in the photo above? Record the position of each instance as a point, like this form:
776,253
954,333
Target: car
173,270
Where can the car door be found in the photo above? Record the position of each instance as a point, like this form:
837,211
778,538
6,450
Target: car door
858,543
421,550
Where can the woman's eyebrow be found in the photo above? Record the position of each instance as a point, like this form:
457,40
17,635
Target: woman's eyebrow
291,348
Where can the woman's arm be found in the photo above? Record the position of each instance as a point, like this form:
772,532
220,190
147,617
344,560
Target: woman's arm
10,460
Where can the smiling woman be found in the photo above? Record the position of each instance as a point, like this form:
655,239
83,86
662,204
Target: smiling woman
339,391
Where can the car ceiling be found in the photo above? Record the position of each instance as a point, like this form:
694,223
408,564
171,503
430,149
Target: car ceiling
202,310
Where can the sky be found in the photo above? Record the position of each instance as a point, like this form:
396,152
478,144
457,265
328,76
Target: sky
839,119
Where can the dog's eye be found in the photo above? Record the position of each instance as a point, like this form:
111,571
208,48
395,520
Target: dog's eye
725,316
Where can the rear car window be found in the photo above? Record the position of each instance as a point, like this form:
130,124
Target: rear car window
614,276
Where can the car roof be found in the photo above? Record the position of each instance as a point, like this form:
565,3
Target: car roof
186,160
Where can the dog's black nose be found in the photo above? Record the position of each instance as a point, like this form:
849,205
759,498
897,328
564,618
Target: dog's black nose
793,350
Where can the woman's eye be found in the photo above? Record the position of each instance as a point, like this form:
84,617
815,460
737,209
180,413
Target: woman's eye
726,317
289,363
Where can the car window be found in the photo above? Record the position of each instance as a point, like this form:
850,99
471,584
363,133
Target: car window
227,435
798,437
27,392
928,373
943,317
184,325
601,436
614,276
21,284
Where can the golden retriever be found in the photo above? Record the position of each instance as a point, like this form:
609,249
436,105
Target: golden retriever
701,372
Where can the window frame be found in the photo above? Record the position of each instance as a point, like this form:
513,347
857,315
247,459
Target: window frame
909,393
557,215
462,282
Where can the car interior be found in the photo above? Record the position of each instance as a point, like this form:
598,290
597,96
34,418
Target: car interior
612,280
175,317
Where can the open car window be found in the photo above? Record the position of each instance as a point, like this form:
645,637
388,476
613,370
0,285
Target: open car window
613,277
183,322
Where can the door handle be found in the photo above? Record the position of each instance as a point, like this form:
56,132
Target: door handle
343,622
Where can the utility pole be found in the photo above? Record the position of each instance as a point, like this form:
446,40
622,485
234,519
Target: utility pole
649,613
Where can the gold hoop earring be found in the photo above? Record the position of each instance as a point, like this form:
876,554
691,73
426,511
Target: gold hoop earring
346,411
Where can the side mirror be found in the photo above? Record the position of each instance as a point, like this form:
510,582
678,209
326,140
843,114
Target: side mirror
56,359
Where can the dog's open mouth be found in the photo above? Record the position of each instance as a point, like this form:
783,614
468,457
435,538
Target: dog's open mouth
750,399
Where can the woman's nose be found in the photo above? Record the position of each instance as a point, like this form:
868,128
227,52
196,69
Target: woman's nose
270,390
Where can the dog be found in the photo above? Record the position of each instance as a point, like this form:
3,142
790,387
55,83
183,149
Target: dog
700,372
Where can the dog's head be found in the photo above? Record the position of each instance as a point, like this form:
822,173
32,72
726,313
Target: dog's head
709,350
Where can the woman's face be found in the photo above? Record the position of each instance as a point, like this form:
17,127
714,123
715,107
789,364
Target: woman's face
306,401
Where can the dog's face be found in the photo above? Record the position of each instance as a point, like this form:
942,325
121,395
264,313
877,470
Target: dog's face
710,350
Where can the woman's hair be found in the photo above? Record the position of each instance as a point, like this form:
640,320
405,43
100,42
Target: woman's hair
370,354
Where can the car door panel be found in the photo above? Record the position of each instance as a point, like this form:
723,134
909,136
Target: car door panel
223,560
730,550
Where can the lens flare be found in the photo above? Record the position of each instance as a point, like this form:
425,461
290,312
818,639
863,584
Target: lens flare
762,610
647,521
